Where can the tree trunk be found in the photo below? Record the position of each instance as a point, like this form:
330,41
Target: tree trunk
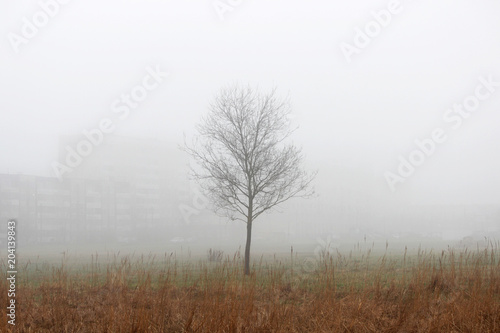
247,247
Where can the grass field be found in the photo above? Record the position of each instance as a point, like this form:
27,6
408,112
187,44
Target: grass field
361,290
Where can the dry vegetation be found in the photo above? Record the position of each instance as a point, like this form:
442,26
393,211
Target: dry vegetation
449,291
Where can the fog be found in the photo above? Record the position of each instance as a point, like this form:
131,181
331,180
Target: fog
396,104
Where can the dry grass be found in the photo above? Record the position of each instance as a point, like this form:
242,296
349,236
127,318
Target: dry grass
446,292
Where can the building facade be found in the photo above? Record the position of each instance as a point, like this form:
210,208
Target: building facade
123,191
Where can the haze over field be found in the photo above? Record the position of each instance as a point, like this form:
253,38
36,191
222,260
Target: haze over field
396,103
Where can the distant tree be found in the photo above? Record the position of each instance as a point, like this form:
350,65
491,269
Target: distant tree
243,163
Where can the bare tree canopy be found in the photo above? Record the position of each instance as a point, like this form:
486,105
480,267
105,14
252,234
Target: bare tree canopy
244,164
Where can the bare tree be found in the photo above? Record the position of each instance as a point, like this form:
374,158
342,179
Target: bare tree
243,163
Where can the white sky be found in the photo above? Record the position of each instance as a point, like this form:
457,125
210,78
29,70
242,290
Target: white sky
365,113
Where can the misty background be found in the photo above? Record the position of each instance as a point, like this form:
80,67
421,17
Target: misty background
355,118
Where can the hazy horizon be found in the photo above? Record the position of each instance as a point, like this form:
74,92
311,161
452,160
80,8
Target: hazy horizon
366,102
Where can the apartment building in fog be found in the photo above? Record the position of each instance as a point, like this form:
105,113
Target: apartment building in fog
124,188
